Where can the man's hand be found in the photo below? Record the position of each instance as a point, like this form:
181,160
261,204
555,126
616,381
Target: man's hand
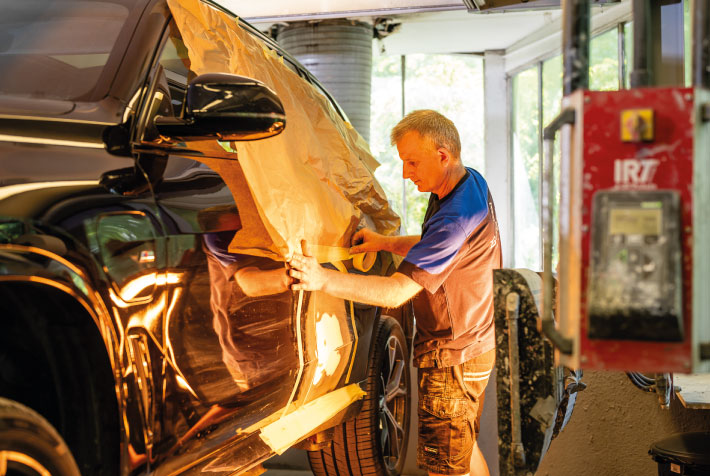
367,240
310,274
385,291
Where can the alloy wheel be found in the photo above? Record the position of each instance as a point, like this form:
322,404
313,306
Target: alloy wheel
393,403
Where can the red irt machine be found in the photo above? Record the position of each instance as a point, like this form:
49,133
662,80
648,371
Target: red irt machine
634,219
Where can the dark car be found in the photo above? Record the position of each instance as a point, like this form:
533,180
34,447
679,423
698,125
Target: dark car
131,340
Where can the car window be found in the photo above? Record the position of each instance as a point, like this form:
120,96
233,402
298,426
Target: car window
57,50
176,67
176,64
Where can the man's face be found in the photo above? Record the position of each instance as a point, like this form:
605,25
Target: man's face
422,162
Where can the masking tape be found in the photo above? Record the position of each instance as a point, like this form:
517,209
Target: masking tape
361,261
284,432
336,254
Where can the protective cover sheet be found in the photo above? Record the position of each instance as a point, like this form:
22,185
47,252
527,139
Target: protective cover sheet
315,180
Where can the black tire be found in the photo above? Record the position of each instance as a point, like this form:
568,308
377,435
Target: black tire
30,446
375,442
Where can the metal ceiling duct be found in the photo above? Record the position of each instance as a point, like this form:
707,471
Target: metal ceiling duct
339,54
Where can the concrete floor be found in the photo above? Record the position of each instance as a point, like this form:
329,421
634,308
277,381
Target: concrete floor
292,462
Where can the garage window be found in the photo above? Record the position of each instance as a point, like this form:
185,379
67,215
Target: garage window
401,84
536,96
526,168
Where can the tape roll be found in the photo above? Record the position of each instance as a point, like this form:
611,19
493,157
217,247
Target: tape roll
336,255
364,261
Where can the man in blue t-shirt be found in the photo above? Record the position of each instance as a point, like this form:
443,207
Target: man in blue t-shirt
447,271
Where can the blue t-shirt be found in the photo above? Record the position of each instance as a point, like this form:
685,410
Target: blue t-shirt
453,262
448,223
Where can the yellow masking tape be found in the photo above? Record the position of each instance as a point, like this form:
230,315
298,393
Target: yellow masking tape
335,254
361,261
283,433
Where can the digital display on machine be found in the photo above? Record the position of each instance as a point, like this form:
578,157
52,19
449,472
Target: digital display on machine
635,221
635,287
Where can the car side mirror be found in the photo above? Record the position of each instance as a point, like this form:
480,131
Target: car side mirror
225,107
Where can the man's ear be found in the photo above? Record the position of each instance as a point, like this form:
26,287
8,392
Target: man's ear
445,157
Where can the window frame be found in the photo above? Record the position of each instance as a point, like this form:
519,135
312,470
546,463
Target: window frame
538,63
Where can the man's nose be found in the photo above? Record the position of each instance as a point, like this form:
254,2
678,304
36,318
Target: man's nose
406,172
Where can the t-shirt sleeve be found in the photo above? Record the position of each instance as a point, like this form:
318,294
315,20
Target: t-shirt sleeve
428,263
218,245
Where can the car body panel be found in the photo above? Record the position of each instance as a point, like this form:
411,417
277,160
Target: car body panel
201,364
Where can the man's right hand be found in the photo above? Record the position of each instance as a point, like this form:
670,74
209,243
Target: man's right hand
367,240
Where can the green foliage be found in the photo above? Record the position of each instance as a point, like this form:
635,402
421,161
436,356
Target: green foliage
526,163
551,88
526,126
604,62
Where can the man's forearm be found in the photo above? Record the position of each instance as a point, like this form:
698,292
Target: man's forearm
383,291
400,245
255,282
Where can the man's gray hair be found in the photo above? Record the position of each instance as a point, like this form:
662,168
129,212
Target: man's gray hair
432,125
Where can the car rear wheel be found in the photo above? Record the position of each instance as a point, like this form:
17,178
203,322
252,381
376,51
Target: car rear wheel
30,446
375,442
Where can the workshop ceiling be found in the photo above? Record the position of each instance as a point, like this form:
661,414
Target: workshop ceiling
311,9
462,32
427,26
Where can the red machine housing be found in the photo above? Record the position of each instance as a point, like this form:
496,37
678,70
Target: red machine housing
600,162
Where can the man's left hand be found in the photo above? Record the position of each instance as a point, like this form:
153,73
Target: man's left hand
310,274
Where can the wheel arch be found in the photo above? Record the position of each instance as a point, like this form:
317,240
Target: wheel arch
43,269
60,340
404,315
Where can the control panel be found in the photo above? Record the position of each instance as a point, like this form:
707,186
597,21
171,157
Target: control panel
635,280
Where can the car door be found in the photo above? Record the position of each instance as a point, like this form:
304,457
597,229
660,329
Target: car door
231,328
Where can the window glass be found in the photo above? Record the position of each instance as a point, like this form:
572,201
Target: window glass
385,112
551,88
551,106
526,170
687,43
604,62
628,52
432,82
57,50
176,67
174,57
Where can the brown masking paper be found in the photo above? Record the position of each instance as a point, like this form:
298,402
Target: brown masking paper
315,180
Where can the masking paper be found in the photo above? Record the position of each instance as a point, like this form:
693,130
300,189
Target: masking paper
315,180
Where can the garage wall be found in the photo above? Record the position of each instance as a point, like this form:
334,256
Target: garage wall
612,428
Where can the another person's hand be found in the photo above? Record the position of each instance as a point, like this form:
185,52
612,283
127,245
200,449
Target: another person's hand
310,274
367,240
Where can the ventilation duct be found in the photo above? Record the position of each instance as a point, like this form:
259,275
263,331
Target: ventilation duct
339,54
